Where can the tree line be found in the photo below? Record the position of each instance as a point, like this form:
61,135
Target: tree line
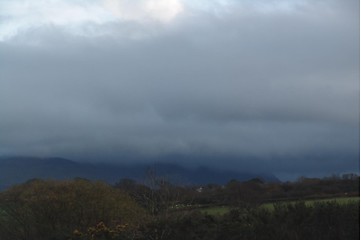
158,191
80,209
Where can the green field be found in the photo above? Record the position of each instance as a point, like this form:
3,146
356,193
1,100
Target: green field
216,210
270,206
340,200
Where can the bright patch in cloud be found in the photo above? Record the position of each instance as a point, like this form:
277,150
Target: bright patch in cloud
23,15
141,10
20,16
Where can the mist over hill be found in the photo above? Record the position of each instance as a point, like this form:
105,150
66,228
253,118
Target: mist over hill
15,170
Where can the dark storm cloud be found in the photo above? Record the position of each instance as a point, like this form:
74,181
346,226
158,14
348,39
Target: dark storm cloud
252,88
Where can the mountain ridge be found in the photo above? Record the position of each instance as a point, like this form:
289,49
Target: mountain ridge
15,170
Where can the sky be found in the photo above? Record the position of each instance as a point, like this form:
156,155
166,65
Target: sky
256,85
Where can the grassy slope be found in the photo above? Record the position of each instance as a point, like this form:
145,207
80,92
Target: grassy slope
340,200
270,206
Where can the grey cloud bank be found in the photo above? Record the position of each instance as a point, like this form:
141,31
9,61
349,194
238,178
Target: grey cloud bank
271,86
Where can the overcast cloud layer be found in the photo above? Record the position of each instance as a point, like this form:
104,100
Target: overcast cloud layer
267,85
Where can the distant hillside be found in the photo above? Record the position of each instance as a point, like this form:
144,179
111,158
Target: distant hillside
14,170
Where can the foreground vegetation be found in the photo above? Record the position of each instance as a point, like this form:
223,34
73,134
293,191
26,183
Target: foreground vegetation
85,210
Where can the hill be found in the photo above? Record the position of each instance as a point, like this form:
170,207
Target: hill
14,170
